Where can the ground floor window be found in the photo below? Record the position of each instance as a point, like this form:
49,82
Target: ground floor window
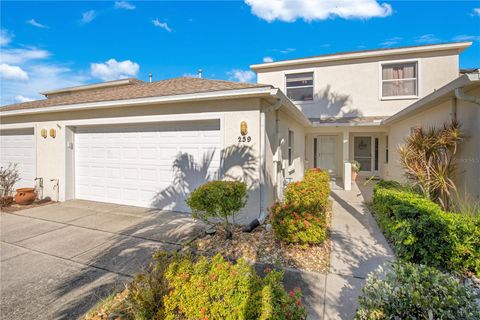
362,152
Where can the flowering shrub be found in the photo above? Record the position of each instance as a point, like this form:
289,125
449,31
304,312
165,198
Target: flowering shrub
218,289
301,227
416,292
301,218
182,287
310,194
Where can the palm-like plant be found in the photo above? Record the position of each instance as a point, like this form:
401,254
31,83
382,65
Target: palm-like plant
428,159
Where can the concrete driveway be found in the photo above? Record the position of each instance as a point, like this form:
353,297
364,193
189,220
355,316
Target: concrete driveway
59,260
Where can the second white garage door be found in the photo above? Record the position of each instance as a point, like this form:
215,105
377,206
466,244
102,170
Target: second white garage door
18,147
146,165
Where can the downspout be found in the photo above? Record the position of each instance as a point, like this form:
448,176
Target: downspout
263,151
460,94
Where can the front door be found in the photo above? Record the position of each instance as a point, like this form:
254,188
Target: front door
326,154
362,152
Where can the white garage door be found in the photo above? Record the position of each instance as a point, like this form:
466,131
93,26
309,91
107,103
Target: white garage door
148,165
18,146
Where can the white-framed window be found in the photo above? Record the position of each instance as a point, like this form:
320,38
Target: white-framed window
299,86
291,137
399,80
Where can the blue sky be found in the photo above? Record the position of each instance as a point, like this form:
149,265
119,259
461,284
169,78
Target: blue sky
48,45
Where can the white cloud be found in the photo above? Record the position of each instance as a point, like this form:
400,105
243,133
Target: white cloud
391,41
21,99
427,38
113,69
476,12
241,75
42,77
465,37
19,56
35,23
9,72
311,10
124,5
267,59
5,37
288,50
163,25
88,16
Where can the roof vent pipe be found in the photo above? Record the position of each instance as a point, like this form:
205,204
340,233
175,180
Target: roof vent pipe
150,75
463,96
200,73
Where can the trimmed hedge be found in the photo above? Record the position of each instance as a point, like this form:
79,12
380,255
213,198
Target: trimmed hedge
421,232
301,218
183,287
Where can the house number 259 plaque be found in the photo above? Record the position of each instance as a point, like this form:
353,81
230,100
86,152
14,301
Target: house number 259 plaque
244,133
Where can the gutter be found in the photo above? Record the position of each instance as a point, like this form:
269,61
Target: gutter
461,95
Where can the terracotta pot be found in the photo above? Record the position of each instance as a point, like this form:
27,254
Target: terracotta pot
25,196
354,175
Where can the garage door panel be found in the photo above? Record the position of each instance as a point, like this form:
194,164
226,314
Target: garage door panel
18,146
138,162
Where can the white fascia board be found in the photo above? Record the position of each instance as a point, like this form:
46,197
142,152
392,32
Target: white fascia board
362,54
425,101
212,95
291,108
10,126
343,124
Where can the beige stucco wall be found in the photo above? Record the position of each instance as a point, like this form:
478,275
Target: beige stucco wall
468,156
278,170
56,161
352,87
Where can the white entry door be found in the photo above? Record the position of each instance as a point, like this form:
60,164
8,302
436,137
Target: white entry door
149,165
18,146
327,147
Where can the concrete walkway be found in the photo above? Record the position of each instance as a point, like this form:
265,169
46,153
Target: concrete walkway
358,248
59,260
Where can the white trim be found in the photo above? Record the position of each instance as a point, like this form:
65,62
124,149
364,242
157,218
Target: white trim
25,125
460,46
400,61
240,93
145,119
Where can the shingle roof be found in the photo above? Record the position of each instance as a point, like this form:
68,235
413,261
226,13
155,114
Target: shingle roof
136,89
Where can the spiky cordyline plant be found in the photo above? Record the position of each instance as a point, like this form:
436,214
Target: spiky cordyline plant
428,159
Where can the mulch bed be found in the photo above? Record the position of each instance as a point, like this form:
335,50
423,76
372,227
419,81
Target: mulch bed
260,246
17,207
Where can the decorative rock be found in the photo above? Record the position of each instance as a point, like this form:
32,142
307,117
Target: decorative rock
268,227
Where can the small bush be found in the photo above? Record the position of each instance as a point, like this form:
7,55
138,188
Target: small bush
218,199
421,232
416,292
292,226
8,177
301,218
310,194
181,287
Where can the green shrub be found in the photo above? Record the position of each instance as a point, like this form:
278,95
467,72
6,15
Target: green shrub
182,287
416,292
301,218
218,199
310,194
421,232
292,226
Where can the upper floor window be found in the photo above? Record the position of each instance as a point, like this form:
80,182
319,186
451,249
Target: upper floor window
399,80
300,86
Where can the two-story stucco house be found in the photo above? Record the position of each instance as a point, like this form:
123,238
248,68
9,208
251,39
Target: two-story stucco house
149,144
